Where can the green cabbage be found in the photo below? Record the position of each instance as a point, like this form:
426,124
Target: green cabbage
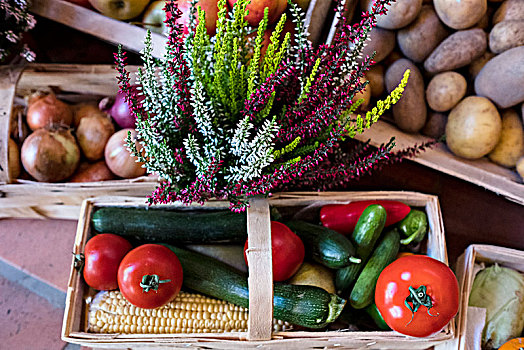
500,291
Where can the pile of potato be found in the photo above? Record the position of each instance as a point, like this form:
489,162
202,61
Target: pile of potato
467,73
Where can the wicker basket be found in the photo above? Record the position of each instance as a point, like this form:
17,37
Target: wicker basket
466,271
260,333
22,198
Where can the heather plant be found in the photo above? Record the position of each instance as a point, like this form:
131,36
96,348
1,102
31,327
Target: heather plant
221,117
15,21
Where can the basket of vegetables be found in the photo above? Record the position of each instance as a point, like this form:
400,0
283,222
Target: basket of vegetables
492,304
63,140
285,274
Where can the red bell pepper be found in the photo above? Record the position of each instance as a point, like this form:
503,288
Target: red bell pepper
343,217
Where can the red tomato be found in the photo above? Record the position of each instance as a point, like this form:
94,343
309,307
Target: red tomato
409,280
288,251
103,254
150,276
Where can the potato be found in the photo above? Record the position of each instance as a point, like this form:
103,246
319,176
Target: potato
460,14
502,78
509,10
476,66
381,41
520,167
364,94
420,38
436,125
375,76
410,112
506,35
511,144
400,13
474,127
457,50
445,90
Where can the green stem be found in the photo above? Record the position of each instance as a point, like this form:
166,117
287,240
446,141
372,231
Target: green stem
418,297
151,282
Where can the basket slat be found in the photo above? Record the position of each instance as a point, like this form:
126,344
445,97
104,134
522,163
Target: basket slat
8,78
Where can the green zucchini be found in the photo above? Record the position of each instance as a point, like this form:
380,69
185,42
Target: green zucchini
306,306
326,246
181,226
363,292
368,229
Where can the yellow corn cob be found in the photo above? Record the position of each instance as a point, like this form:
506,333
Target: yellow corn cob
109,312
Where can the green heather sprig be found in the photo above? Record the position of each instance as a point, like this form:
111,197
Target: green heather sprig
242,113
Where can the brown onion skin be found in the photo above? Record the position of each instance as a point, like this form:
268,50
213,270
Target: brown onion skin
83,110
50,155
46,111
13,160
92,135
88,172
119,159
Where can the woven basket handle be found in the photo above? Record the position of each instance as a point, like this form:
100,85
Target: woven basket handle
260,270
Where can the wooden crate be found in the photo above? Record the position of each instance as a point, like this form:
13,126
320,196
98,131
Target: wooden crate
466,271
132,36
260,284
56,200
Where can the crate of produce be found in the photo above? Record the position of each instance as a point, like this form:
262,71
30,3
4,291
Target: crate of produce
477,267
272,322
73,85
131,36
474,98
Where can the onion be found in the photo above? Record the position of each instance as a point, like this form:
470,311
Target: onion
92,135
118,158
13,159
88,172
119,109
83,110
50,155
47,110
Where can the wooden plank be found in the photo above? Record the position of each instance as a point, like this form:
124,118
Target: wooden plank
260,279
71,78
91,22
481,172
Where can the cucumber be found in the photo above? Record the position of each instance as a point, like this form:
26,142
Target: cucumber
326,246
181,226
368,229
363,292
375,315
306,306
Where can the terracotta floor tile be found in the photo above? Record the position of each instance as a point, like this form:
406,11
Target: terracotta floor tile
39,247
28,321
